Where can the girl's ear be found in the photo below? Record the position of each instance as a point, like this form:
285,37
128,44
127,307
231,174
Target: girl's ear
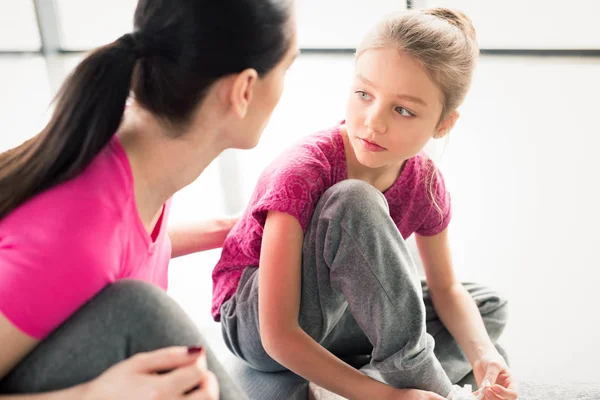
446,125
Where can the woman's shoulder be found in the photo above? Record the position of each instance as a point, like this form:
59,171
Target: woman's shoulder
82,209
60,221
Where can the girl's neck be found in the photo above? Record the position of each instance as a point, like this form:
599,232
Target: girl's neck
381,178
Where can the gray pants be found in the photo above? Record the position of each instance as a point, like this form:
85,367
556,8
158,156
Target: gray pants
361,294
126,318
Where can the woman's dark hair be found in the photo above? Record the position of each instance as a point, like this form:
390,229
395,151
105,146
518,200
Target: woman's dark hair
177,50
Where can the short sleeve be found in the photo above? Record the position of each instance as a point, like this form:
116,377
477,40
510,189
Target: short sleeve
438,202
293,185
51,264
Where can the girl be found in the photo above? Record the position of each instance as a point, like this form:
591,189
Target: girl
85,204
319,257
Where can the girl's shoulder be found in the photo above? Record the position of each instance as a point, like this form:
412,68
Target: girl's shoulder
423,164
321,151
324,143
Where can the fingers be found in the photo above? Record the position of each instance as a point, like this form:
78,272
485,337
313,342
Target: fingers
489,394
211,385
166,359
505,379
491,374
498,392
185,379
209,388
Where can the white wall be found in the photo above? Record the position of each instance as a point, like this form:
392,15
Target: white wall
532,24
18,26
512,24
322,23
500,24
339,23
88,24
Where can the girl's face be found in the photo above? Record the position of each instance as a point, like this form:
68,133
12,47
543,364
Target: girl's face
394,108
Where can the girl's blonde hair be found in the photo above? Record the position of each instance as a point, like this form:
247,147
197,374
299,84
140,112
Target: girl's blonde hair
445,43
441,39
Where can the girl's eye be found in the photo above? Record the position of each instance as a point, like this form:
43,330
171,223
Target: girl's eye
404,112
363,95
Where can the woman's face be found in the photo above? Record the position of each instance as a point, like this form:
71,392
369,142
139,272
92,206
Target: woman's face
266,93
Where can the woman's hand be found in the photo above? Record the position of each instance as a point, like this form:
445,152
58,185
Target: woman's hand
494,378
174,372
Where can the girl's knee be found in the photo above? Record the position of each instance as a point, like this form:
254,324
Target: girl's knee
355,198
355,191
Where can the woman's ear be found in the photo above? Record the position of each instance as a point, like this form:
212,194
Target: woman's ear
242,90
446,125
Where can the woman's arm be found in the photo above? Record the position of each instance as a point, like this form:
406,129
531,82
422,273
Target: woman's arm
136,377
15,346
141,376
204,235
279,305
75,393
454,305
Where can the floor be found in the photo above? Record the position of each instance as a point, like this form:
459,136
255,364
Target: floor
521,165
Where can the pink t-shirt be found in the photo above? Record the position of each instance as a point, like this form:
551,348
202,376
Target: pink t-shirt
295,182
66,244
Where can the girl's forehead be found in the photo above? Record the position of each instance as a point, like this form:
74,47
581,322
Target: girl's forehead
396,73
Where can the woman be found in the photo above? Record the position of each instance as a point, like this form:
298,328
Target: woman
84,204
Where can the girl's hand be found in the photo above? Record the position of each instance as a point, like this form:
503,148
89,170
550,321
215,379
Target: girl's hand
413,394
169,373
423,395
494,378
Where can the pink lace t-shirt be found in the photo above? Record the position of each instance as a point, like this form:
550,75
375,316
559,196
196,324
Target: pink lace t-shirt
63,246
295,182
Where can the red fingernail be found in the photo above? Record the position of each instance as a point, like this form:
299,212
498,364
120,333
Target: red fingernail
194,350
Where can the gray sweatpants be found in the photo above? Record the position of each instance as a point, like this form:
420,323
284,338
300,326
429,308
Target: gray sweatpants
361,294
126,318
